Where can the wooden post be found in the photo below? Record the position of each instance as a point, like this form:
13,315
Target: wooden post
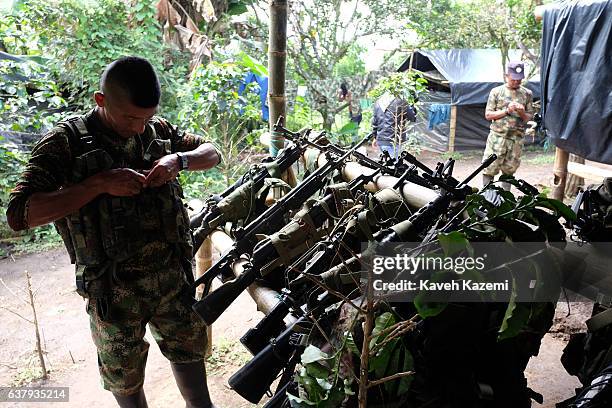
277,56
574,181
453,126
411,60
560,174
204,261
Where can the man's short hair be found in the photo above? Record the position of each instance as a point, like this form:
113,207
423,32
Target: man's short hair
133,78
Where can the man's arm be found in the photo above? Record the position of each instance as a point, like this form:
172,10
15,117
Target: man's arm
167,168
526,112
525,116
495,115
491,113
44,194
43,208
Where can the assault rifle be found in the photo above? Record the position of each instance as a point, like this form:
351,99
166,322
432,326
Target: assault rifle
342,244
216,302
425,216
271,219
303,137
342,278
239,201
253,380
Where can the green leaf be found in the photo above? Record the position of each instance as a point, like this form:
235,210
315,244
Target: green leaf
515,318
236,9
382,321
426,308
557,206
311,386
453,242
407,364
317,370
297,402
313,354
253,65
379,363
350,344
349,128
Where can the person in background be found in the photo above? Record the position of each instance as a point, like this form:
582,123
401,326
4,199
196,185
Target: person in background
354,109
390,121
509,108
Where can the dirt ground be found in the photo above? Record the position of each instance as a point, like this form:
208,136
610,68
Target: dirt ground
71,355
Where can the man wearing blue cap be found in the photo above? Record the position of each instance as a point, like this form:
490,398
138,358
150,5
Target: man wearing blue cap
509,109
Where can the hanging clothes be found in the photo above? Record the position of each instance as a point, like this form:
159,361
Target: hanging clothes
262,81
438,113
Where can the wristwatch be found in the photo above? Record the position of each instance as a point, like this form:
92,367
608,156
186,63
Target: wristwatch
183,162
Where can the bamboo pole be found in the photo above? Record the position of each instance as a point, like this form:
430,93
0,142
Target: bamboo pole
560,174
204,261
277,56
453,127
574,182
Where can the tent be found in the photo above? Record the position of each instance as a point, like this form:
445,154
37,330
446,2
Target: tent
451,115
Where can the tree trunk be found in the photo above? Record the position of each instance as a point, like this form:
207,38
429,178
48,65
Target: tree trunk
328,118
277,56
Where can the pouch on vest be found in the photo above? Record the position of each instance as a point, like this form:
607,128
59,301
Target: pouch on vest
90,163
157,149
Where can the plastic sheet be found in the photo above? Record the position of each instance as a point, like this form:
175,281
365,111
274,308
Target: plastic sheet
471,73
577,78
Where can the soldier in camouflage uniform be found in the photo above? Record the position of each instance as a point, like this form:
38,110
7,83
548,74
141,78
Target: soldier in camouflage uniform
509,108
108,181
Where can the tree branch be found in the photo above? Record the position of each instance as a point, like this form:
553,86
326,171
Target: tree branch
390,378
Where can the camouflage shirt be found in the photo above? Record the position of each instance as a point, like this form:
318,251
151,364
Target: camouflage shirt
51,162
499,99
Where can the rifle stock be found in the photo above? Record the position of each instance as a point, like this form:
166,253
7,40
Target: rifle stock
254,378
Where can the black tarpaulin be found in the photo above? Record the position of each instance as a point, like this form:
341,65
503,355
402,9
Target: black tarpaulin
577,78
471,73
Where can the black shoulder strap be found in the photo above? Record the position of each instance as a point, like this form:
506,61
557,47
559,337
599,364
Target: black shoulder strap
79,136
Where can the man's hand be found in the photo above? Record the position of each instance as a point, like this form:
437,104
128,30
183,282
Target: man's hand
164,170
519,108
119,182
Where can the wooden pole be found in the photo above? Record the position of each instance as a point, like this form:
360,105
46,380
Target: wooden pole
560,174
574,181
204,261
453,126
39,350
277,56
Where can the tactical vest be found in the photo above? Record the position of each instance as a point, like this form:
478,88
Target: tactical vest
109,229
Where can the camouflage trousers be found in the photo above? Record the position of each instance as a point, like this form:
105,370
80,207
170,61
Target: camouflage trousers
508,149
152,298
